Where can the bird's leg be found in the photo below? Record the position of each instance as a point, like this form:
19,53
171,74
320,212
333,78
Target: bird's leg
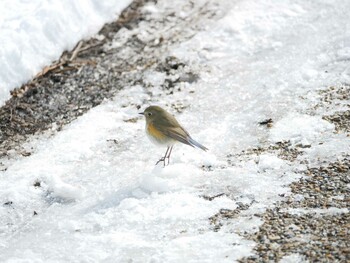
168,157
164,157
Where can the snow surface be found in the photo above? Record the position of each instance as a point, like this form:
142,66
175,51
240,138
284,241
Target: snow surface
317,211
294,258
34,33
101,197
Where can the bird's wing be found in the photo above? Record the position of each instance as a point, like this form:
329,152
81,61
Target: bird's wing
176,133
180,134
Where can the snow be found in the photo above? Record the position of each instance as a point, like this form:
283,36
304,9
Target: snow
300,128
294,258
34,33
102,198
269,161
317,211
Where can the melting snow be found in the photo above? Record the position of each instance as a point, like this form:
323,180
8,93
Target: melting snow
101,198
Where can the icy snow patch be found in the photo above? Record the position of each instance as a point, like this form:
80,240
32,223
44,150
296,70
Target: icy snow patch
61,190
269,161
300,128
329,149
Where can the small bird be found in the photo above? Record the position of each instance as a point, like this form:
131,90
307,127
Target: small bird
163,129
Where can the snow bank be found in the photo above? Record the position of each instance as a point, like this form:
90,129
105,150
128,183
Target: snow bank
34,33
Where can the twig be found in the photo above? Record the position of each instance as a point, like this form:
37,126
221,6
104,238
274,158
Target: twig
90,46
48,69
76,51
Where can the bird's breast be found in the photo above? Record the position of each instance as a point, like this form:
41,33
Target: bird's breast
155,135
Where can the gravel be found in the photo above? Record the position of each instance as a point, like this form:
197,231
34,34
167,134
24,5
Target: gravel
306,221
338,98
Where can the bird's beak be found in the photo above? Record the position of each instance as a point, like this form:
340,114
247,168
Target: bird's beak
142,113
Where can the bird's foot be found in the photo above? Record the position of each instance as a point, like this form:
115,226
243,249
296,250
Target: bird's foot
163,159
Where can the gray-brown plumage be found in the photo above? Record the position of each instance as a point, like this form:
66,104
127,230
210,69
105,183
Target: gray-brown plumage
162,128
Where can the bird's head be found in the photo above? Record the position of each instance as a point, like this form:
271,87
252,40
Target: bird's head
152,113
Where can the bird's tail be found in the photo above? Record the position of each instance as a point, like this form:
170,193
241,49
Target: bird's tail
197,144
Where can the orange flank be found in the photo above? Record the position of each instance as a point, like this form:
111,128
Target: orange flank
154,132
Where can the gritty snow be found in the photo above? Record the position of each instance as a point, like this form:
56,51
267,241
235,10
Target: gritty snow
102,198
318,211
294,258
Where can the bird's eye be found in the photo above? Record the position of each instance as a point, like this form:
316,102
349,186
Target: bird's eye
149,114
